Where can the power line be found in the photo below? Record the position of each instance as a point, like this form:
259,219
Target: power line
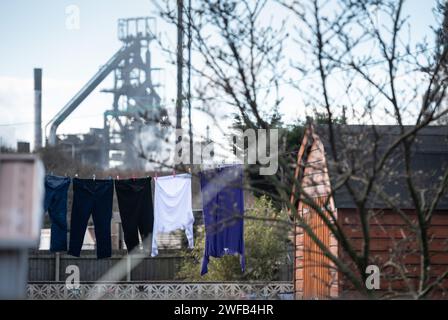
32,122
71,117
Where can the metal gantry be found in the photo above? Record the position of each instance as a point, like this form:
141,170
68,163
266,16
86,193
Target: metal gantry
136,103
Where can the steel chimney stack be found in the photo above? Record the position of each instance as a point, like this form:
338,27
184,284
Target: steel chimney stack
37,108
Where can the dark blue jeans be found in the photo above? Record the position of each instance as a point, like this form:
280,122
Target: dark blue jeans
91,197
56,204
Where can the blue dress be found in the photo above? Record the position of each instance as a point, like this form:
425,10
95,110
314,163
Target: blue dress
223,209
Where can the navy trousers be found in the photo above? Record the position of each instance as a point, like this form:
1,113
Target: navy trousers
56,204
92,197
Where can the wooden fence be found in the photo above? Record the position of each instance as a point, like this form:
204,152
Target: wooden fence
47,267
50,267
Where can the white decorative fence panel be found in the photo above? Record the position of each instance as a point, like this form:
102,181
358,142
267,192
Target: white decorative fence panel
161,291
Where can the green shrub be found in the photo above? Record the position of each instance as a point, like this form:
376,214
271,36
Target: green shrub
265,234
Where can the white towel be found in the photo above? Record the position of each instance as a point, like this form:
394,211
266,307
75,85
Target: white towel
172,207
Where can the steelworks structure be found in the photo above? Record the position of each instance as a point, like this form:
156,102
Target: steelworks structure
136,103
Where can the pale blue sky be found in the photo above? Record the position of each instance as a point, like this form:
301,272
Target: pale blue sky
34,35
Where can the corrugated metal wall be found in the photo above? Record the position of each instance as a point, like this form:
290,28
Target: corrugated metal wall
42,267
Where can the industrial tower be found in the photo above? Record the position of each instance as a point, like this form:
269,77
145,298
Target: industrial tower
136,103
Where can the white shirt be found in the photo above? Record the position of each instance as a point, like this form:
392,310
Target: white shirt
172,207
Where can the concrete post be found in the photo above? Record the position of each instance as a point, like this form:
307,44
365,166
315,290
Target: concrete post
57,266
37,109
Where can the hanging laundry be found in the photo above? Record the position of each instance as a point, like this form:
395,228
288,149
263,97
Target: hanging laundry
91,197
172,207
56,204
223,209
136,210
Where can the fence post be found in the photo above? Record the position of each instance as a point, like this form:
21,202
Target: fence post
128,267
57,266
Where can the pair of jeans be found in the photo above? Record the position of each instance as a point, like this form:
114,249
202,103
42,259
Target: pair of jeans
55,203
92,197
136,210
223,209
